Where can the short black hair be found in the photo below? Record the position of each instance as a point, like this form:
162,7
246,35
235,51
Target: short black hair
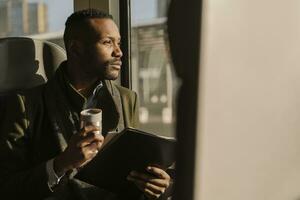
77,20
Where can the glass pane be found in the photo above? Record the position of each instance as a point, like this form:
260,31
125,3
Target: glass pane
153,76
40,19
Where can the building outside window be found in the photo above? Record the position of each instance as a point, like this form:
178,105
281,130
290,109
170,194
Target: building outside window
153,76
40,19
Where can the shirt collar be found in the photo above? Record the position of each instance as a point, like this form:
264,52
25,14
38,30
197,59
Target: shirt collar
77,100
92,100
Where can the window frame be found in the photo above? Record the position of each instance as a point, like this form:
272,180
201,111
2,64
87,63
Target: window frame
125,31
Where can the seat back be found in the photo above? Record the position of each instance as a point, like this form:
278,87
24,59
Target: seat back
26,62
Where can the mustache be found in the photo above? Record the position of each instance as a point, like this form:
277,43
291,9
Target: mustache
115,61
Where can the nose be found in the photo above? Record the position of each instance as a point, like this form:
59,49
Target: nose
117,51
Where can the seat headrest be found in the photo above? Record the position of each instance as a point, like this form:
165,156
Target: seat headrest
26,62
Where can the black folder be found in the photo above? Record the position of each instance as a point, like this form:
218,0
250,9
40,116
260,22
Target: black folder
129,150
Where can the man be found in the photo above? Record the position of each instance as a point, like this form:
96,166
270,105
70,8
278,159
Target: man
41,143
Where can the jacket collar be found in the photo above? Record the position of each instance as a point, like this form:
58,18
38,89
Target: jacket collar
109,101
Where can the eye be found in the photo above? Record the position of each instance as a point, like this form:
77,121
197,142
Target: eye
107,42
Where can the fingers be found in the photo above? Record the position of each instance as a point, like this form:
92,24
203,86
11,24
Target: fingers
147,186
158,172
161,182
93,147
88,129
90,150
87,153
90,137
153,184
151,195
89,143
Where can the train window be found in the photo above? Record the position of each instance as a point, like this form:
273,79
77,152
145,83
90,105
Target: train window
152,74
40,19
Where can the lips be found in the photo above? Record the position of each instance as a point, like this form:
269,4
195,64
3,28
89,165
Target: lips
116,65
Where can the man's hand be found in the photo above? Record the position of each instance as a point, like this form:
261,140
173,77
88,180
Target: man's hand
82,148
153,184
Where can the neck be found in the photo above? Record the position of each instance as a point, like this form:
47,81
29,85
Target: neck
80,80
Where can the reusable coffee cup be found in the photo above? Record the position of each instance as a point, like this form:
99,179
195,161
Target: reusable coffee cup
91,116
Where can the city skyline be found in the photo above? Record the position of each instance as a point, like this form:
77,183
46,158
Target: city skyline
59,10
20,17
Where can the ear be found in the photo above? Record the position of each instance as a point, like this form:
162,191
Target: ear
75,48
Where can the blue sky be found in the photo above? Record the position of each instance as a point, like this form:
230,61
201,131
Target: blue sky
58,11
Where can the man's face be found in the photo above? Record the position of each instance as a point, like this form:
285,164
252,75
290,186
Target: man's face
101,55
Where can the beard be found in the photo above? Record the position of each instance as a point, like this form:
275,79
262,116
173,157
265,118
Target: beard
112,69
111,74
109,70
